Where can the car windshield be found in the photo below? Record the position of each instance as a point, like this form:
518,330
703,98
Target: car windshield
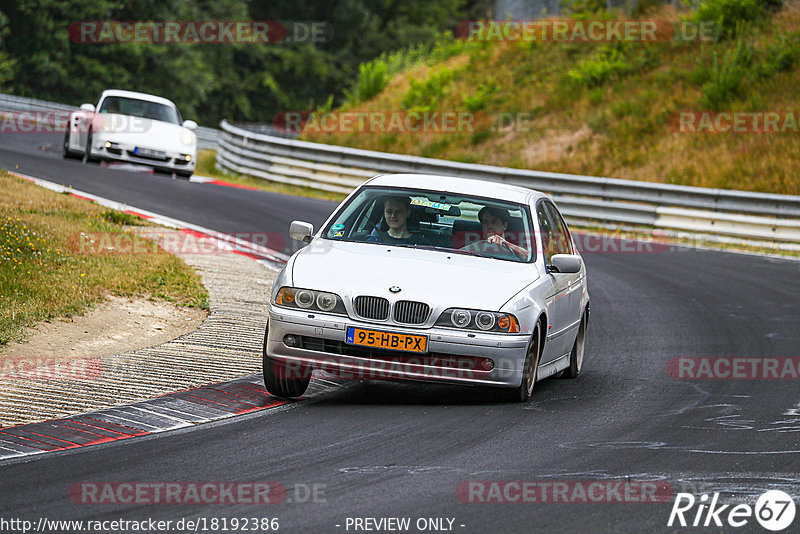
436,220
140,108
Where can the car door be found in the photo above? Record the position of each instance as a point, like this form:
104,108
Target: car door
573,281
556,302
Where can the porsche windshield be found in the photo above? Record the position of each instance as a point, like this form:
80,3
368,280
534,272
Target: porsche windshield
436,220
140,108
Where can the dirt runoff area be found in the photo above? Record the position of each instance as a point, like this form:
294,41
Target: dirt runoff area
116,325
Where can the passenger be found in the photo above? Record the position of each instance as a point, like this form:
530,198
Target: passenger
494,224
396,213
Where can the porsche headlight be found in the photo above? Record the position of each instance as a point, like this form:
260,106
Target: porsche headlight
485,321
308,299
187,138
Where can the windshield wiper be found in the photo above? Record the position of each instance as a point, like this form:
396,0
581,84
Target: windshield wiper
445,249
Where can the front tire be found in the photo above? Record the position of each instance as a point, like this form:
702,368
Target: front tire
87,157
66,152
281,380
524,391
577,352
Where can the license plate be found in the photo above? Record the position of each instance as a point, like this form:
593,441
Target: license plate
386,340
146,152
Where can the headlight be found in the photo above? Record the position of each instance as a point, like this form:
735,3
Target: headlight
485,321
187,138
308,299
460,318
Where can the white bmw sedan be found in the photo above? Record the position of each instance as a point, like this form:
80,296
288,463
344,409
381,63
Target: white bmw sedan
433,279
134,128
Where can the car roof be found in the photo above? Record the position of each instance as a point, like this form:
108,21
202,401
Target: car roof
464,186
140,96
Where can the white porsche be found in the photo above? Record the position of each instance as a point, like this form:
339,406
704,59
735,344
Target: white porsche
134,128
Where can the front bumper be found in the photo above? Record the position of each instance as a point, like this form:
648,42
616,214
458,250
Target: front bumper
451,357
168,160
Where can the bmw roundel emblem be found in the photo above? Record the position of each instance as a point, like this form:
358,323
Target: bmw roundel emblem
395,289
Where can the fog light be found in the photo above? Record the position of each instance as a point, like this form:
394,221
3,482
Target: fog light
187,157
108,144
290,340
487,364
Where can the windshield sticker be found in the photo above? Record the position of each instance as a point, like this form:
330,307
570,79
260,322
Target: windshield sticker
429,204
338,234
337,227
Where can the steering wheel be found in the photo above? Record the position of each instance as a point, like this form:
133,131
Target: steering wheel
490,249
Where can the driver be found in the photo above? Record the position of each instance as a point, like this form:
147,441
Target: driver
494,223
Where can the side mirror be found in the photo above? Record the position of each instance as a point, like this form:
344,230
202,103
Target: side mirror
564,263
189,125
87,107
301,231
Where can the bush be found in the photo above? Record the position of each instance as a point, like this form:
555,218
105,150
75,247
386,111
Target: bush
481,98
423,96
372,79
741,66
609,62
780,57
731,17
374,76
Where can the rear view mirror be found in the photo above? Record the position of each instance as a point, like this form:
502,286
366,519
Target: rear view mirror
87,107
190,125
564,263
301,231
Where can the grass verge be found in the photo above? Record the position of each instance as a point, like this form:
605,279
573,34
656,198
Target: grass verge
206,160
52,267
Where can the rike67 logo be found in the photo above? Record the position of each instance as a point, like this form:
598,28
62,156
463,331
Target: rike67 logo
774,510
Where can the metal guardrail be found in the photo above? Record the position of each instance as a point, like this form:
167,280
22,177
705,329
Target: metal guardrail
716,213
206,137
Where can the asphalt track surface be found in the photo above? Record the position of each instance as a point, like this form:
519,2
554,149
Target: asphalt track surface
387,449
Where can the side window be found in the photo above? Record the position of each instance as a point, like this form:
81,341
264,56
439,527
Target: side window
546,228
563,241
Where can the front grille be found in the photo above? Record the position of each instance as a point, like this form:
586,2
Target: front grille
372,307
410,312
435,359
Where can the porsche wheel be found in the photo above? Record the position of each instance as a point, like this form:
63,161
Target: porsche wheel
66,152
87,157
